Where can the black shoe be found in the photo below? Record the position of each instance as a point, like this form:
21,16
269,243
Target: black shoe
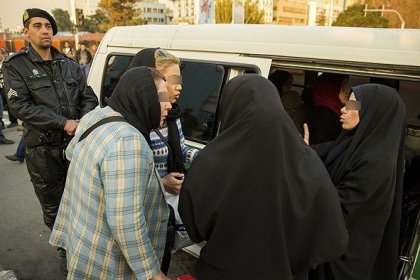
63,261
14,158
6,141
10,125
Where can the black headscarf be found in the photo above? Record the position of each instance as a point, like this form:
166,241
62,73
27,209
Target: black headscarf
258,195
146,57
135,97
366,166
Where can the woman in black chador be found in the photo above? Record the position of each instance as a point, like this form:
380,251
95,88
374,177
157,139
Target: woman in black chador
366,166
258,195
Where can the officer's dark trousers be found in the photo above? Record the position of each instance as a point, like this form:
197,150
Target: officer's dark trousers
47,167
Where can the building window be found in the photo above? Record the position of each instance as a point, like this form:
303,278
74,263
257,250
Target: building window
294,10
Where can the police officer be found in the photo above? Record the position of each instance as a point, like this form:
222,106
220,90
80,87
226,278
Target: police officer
48,92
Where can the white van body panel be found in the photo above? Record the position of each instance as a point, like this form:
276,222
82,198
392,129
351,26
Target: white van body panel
364,45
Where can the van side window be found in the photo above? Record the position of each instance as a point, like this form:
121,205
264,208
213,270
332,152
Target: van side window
115,67
201,86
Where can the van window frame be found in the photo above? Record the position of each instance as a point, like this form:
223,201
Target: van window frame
231,69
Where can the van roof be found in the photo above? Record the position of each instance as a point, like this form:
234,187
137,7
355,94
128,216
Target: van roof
360,45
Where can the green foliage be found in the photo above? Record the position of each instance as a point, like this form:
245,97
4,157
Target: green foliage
119,13
62,18
252,14
92,22
355,16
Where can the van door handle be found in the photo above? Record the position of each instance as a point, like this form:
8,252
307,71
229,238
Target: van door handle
406,259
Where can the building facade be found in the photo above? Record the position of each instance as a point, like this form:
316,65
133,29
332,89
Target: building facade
290,12
184,11
308,12
267,7
152,12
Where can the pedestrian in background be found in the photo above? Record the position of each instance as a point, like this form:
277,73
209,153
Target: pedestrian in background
113,215
84,58
69,51
48,92
258,195
330,92
13,121
19,155
3,139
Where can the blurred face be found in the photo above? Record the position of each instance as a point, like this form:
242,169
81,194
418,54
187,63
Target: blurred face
350,114
39,33
66,44
173,78
165,106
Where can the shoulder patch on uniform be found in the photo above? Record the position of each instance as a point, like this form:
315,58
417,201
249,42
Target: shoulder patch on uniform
16,54
11,93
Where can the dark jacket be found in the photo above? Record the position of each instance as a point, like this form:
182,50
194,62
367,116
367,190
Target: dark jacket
44,94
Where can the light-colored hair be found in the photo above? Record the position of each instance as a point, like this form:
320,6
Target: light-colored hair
163,60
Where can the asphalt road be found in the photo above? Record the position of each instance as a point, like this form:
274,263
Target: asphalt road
24,246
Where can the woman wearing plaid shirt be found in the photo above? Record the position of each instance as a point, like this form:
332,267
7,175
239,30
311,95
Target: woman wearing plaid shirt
113,215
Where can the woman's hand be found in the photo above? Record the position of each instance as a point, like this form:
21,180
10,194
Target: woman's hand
173,182
306,133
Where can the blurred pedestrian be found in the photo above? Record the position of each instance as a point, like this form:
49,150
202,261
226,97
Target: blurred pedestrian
330,92
84,58
3,139
19,155
68,50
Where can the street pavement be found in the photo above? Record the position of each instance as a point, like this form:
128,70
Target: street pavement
24,247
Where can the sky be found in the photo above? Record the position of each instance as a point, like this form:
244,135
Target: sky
12,10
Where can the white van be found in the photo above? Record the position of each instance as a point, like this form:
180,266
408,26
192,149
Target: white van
213,54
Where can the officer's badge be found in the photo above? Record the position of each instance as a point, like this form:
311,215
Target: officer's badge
25,16
35,72
12,93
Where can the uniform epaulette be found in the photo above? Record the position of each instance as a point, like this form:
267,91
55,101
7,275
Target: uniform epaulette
25,51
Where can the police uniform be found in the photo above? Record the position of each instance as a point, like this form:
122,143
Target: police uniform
44,94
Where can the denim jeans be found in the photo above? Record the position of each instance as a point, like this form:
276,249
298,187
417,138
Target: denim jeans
20,151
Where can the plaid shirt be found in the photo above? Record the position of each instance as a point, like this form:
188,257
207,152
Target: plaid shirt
113,215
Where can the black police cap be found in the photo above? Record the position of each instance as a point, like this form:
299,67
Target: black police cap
30,13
